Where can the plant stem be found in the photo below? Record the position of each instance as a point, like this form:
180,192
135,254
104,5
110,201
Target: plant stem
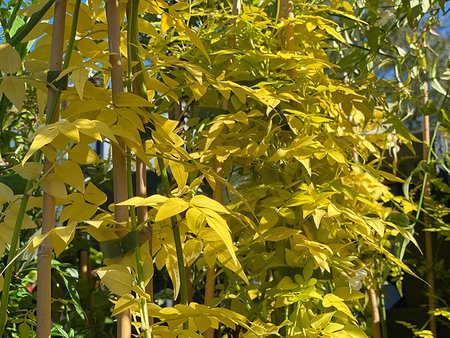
12,252
73,33
140,272
34,20
49,203
177,238
118,158
428,235
384,328
211,272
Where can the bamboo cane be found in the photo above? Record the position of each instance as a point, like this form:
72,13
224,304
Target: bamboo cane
118,157
287,12
48,218
373,300
210,278
428,235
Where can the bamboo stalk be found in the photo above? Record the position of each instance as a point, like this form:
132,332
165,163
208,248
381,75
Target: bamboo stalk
373,300
48,218
210,278
428,235
141,168
145,326
210,281
118,157
287,12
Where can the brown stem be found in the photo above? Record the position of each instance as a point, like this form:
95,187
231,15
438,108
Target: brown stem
142,216
84,265
49,203
287,12
211,272
118,157
373,299
426,219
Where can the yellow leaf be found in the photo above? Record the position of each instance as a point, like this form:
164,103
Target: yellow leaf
157,85
83,154
286,283
279,233
317,215
124,303
94,195
299,198
14,89
29,170
335,301
37,240
79,77
202,201
356,332
62,236
269,217
345,293
334,33
152,201
68,129
173,206
12,214
10,59
53,185
192,249
93,127
147,28
195,220
130,100
6,194
332,210
77,212
71,173
220,226
117,278
166,23
179,173
42,138
181,26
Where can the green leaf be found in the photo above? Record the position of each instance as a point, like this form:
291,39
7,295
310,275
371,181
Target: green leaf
438,87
